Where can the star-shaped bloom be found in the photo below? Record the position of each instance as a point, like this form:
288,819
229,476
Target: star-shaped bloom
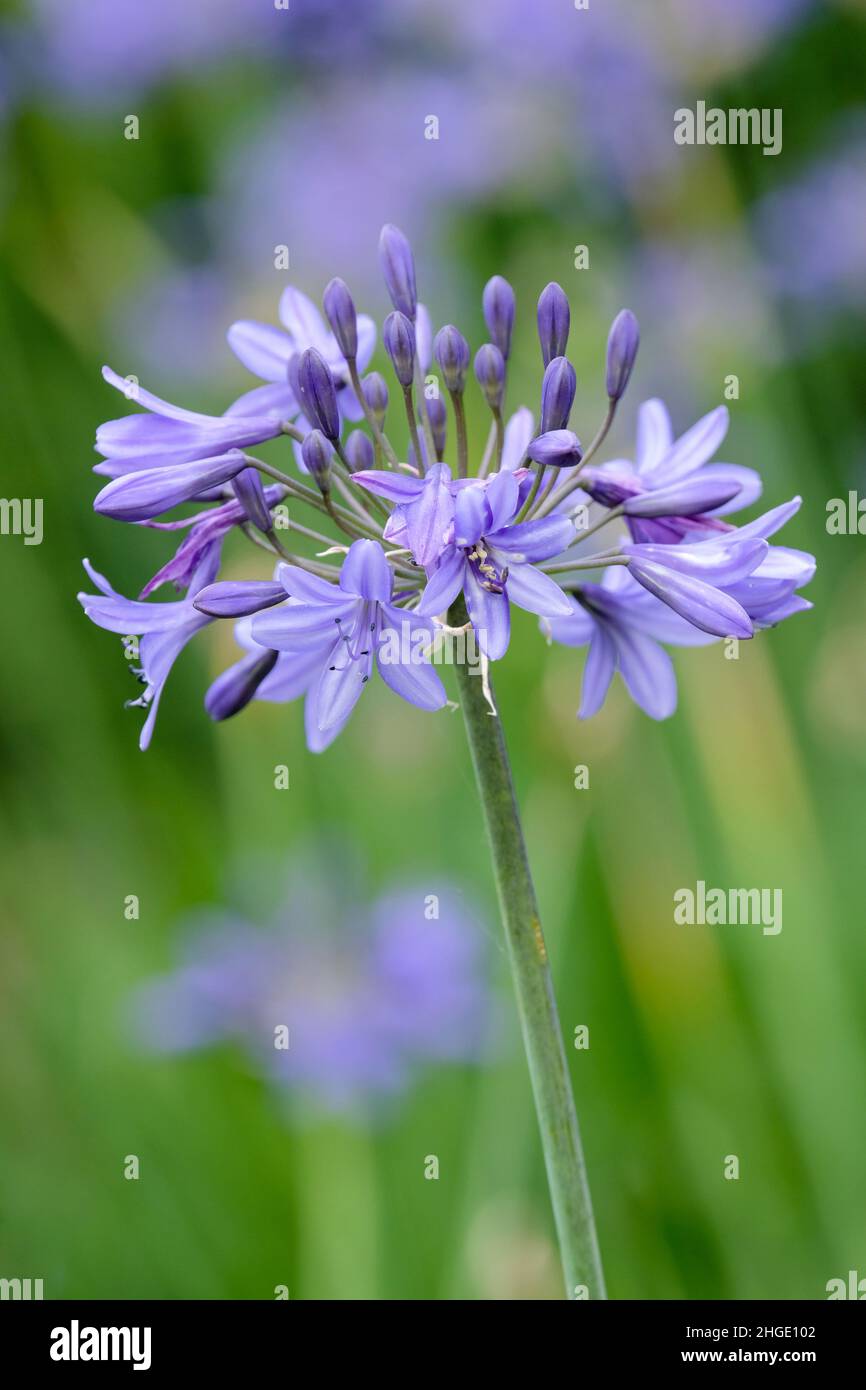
354,628
490,559
685,595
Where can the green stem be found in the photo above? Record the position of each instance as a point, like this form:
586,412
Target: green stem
462,443
539,1021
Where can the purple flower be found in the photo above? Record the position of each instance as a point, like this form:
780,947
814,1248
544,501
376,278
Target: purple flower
325,625
624,625
169,435
266,352
350,625
341,1004
425,508
691,594
681,466
164,629
491,562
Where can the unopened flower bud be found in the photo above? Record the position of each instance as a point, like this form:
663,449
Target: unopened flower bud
622,346
554,321
148,492
375,390
398,335
317,453
234,689
318,393
248,489
557,394
557,448
451,351
340,312
359,451
230,598
398,268
490,373
498,304
438,417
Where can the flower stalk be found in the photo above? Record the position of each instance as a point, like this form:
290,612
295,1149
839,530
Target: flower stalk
536,1003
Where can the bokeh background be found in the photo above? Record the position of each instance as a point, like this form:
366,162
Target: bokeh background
305,127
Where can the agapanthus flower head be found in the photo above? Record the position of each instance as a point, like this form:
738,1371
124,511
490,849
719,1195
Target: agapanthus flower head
346,1018
400,545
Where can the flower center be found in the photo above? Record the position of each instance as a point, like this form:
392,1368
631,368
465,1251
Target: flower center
490,576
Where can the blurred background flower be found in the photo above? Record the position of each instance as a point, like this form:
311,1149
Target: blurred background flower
338,1000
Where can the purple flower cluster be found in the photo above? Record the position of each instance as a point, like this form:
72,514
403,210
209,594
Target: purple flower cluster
421,544
344,1017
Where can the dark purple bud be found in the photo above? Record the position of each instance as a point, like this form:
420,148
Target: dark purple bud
498,304
438,417
557,448
248,489
490,374
235,688
340,312
236,598
375,390
557,394
150,491
318,393
622,346
451,351
317,454
398,335
398,268
554,321
359,451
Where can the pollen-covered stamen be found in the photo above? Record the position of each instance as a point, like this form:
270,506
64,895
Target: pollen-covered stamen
489,574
